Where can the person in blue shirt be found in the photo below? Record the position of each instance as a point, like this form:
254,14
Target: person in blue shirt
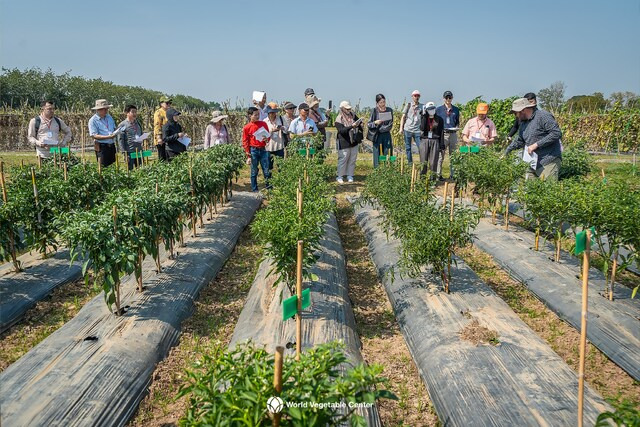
102,128
450,114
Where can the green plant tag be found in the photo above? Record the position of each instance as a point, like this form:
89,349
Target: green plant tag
303,151
290,305
384,158
147,153
134,155
475,149
581,240
63,150
464,149
139,154
306,298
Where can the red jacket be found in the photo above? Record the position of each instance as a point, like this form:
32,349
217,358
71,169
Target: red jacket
248,140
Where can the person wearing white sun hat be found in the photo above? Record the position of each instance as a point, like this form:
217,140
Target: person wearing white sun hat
216,131
102,128
432,127
350,134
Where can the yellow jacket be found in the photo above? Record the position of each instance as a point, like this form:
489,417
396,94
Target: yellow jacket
159,119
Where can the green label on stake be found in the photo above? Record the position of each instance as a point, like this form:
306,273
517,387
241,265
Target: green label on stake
290,305
581,240
303,151
384,158
63,150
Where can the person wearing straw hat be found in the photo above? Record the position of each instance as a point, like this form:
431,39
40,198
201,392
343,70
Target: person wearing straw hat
159,120
317,116
275,145
216,132
350,134
480,130
538,133
102,128
44,131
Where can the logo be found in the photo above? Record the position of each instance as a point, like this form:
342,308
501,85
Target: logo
275,404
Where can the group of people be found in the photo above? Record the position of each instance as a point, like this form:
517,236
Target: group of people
433,130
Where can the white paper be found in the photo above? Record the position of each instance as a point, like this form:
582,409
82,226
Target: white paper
261,134
386,116
50,142
452,129
118,130
257,95
142,137
357,122
185,140
475,139
532,158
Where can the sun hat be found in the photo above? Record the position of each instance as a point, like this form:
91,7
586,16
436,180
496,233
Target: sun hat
313,101
415,92
520,104
272,107
482,108
289,106
345,105
101,103
217,116
165,98
430,105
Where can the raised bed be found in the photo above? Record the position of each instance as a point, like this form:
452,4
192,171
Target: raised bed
330,317
614,326
95,370
521,381
21,291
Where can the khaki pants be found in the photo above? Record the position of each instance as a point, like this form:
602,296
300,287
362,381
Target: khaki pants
429,150
450,143
347,161
548,172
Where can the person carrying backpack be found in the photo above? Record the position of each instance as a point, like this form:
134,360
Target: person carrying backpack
44,131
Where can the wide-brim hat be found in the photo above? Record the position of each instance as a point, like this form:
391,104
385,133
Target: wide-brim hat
313,101
520,104
165,98
272,107
217,116
289,106
101,103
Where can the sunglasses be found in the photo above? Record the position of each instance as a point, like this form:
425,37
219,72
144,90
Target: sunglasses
448,97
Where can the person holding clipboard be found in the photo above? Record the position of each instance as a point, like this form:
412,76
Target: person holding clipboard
255,136
379,129
480,130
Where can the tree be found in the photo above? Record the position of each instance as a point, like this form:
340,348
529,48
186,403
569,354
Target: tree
587,103
552,98
625,99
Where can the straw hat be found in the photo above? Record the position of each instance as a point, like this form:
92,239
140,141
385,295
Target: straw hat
217,116
101,103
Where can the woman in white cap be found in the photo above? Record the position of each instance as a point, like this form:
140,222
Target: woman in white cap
432,127
350,134
216,131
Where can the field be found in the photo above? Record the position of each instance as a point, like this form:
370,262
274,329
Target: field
176,266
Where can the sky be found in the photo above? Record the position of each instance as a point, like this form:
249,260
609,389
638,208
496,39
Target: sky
345,50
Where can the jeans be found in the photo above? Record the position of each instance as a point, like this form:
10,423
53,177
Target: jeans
259,156
384,140
408,136
451,143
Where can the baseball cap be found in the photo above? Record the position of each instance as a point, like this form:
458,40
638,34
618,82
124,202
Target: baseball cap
447,93
483,108
430,105
345,105
303,106
415,92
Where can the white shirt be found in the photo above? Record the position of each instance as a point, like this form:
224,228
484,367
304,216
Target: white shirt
298,126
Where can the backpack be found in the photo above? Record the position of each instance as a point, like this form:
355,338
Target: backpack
39,122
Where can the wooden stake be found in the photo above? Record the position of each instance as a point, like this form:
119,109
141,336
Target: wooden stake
82,143
453,199
401,163
140,259
277,380
426,183
299,294
35,192
64,168
117,284
614,267
583,326
444,193
413,176
506,214
3,182
193,194
39,162
299,198
537,241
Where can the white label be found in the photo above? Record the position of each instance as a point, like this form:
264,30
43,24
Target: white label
49,134
430,135
448,121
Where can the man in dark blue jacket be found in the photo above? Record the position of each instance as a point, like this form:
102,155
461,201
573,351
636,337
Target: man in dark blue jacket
450,115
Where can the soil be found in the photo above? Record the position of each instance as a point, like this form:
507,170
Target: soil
478,334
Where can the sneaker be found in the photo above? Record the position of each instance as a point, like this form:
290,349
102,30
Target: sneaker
349,179
340,180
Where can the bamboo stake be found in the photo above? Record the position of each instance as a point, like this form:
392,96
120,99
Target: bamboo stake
193,194
453,200
82,143
537,241
401,163
413,175
444,193
426,183
299,309
614,267
506,214
277,380
299,199
583,326
64,168
117,284
3,182
39,162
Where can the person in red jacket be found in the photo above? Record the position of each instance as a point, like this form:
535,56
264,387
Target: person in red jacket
255,136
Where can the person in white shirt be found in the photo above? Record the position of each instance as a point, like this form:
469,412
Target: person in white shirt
303,125
44,131
274,122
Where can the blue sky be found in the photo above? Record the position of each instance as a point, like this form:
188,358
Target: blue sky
350,49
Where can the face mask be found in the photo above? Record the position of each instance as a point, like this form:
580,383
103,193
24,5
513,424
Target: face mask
431,112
